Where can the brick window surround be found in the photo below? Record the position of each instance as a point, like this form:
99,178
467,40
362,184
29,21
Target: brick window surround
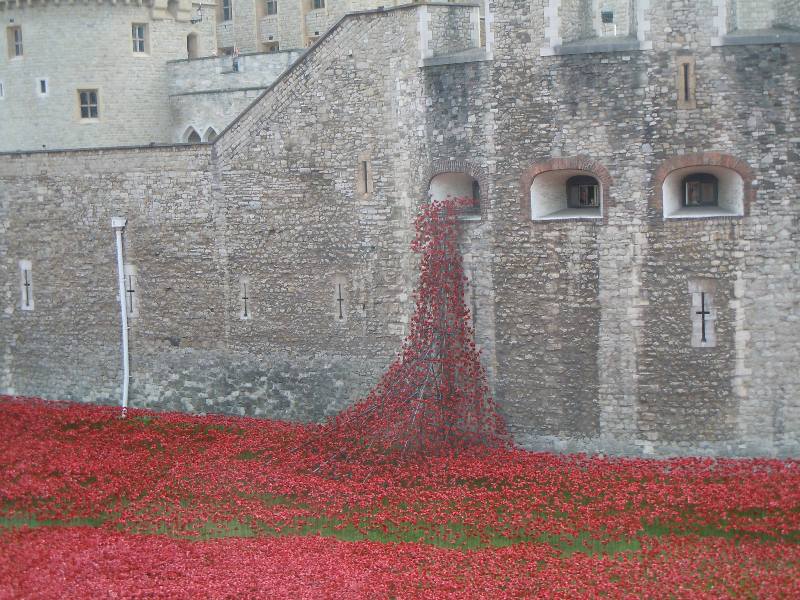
466,167
571,163
700,159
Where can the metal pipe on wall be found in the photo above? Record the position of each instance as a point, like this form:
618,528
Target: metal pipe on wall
118,224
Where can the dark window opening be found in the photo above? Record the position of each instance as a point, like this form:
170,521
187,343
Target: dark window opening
473,209
139,36
583,192
191,45
686,95
14,41
272,7
700,189
227,10
88,104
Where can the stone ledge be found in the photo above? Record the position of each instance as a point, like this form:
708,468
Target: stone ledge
464,56
755,37
597,46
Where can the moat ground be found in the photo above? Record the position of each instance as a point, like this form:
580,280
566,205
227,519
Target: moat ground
168,504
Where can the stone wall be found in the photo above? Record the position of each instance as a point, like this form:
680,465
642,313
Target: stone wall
608,304
241,31
754,14
89,47
451,29
69,346
577,20
289,167
207,92
588,327
270,212
787,14
216,73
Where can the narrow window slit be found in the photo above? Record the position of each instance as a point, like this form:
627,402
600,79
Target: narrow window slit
686,82
26,284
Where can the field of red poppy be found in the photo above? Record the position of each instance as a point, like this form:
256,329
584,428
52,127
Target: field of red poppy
168,505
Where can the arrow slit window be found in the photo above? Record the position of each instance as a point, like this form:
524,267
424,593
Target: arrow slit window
26,285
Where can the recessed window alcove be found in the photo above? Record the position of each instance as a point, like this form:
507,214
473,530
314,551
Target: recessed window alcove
703,191
210,135
566,194
457,185
190,136
702,185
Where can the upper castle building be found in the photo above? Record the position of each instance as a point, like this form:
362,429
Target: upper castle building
632,254
81,75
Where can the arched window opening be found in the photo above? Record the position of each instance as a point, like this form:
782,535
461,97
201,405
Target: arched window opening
211,134
457,185
191,46
191,136
566,194
700,189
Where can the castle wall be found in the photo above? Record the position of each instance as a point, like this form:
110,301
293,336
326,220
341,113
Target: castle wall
57,209
593,320
589,326
290,166
271,213
207,92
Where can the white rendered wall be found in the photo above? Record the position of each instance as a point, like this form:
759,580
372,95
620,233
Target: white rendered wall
88,46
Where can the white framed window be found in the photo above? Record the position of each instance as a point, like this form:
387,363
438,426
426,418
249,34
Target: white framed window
26,285
42,87
87,102
272,7
317,4
139,37
14,37
227,10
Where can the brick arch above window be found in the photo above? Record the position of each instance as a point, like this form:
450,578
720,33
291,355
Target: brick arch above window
467,167
570,163
698,160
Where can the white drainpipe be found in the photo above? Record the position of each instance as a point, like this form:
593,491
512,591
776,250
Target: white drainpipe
118,224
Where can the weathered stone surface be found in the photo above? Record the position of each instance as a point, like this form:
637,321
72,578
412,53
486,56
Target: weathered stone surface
585,324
